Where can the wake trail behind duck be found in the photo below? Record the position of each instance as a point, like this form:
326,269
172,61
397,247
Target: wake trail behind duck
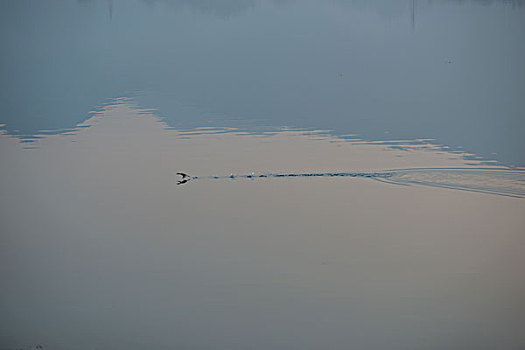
506,182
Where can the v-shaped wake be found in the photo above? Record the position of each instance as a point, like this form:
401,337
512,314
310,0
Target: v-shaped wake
507,182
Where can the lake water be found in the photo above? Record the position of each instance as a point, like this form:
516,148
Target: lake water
356,174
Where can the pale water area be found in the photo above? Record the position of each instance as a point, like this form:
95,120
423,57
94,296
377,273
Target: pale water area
354,174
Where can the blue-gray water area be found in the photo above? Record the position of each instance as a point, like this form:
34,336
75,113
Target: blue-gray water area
452,71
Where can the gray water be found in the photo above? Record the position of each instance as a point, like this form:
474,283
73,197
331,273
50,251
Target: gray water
349,174
453,71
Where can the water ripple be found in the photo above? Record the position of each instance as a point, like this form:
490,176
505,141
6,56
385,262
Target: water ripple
505,182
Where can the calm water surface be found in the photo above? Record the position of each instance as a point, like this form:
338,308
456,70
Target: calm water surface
453,71
104,101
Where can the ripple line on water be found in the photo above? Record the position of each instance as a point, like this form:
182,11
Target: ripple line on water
506,182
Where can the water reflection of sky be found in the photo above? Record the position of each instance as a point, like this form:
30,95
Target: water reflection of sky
452,71
102,250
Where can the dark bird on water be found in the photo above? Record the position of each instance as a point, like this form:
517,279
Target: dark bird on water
185,178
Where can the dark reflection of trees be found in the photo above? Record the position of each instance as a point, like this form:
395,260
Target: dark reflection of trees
480,2
219,8
227,8
393,9
389,8
488,2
